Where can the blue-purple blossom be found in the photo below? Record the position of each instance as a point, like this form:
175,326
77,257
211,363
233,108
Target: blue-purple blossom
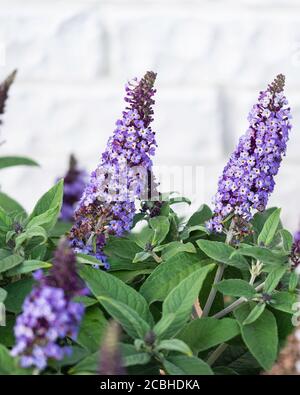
107,205
74,184
49,314
248,178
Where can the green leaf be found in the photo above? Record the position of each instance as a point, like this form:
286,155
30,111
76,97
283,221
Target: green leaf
175,345
34,231
173,248
202,215
86,300
128,276
61,228
274,278
45,220
181,299
131,357
5,220
239,359
10,205
28,266
142,238
207,332
141,256
182,365
255,313
287,240
7,332
185,234
87,364
10,262
131,321
260,219
49,200
16,293
91,330
161,226
9,161
169,274
77,354
236,287
7,362
3,295
179,199
284,301
9,365
261,336
122,248
103,284
223,253
87,259
261,254
293,282
269,229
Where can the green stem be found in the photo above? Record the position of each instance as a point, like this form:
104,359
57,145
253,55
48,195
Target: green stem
213,291
216,354
218,276
235,304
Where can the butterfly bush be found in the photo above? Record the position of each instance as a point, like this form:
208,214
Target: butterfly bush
248,178
74,184
107,205
49,314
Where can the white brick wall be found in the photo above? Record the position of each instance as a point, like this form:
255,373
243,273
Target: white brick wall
212,58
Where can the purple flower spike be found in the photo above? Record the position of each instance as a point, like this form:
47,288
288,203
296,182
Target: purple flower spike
107,205
74,183
49,314
248,178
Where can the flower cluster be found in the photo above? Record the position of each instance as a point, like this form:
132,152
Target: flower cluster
74,183
248,178
49,314
107,205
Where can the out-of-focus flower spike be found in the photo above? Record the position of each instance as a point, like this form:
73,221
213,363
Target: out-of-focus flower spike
49,314
110,354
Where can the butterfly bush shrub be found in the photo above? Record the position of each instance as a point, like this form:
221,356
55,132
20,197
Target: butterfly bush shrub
132,288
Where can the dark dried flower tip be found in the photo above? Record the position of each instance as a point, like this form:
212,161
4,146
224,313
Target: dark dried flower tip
266,297
4,88
150,338
278,84
110,354
74,184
